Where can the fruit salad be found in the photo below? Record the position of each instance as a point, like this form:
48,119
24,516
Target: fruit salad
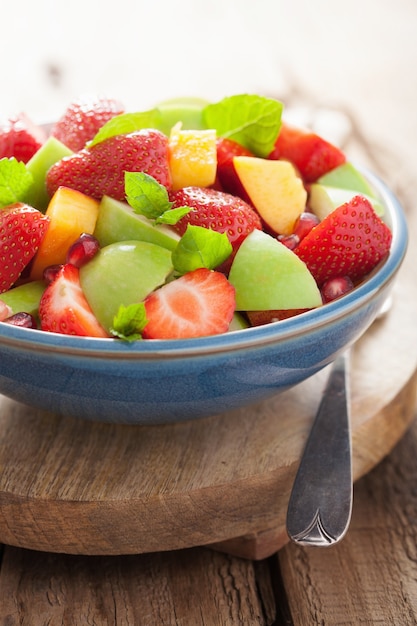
189,219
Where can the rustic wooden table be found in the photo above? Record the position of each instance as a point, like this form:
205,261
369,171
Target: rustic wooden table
369,578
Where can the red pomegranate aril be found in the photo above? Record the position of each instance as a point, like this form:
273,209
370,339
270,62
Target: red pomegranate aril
289,241
50,272
21,319
335,288
304,224
83,250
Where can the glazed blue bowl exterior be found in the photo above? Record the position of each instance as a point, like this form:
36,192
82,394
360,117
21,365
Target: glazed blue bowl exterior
156,382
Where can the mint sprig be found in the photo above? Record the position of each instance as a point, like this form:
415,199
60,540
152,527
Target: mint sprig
149,198
251,120
15,181
126,123
200,247
129,322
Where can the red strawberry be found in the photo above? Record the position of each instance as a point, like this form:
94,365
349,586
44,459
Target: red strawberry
350,241
100,170
217,210
20,138
21,231
197,304
259,318
311,154
64,309
83,119
226,173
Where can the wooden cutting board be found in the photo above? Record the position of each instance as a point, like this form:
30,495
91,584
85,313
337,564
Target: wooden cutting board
72,486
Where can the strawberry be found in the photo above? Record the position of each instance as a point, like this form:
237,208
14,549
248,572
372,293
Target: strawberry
259,318
226,173
21,231
64,309
20,138
217,210
82,120
100,170
350,241
197,304
312,155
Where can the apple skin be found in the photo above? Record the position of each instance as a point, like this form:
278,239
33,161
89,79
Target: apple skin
25,297
187,110
346,176
268,276
123,273
324,199
275,190
117,221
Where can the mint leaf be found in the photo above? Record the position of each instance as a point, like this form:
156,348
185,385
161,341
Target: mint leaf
15,181
128,123
173,216
251,120
200,247
145,195
129,322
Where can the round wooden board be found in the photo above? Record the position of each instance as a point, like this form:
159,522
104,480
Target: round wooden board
72,486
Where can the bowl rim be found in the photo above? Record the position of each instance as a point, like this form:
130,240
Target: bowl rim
242,339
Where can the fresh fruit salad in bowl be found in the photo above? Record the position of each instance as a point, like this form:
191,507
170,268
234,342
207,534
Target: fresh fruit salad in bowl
182,261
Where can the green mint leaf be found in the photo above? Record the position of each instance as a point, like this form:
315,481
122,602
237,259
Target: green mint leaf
172,216
251,120
145,195
200,247
128,123
15,181
129,322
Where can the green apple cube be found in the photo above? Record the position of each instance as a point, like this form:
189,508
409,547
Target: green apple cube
238,322
117,221
188,111
346,176
25,298
323,199
48,154
123,273
269,276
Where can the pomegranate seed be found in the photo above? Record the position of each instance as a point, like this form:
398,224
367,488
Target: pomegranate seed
336,287
50,272
290,241
23,320
82,250
305,223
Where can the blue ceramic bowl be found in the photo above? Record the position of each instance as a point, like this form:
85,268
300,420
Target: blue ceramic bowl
155,382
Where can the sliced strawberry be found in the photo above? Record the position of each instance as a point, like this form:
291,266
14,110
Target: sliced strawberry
20,138
83,119
350,241
217,210
312,155
64,309
226,172
197,304
21,231
100,170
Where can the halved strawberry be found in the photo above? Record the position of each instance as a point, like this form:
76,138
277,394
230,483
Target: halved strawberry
83,118
100,170
218,211
350,241
64,309
197,304
21,231
226,172
20,138
312,155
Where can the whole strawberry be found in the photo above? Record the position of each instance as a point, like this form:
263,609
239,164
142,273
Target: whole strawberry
21,231
20,138
226,173
350,241
82,120
100,170
217,210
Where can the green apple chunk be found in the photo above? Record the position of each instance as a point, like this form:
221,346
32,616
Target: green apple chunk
346,176
25,298
323,199
238,322
269,276
118,222
188,111
48,154
123,273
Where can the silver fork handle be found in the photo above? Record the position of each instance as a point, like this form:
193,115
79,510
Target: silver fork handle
320,505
